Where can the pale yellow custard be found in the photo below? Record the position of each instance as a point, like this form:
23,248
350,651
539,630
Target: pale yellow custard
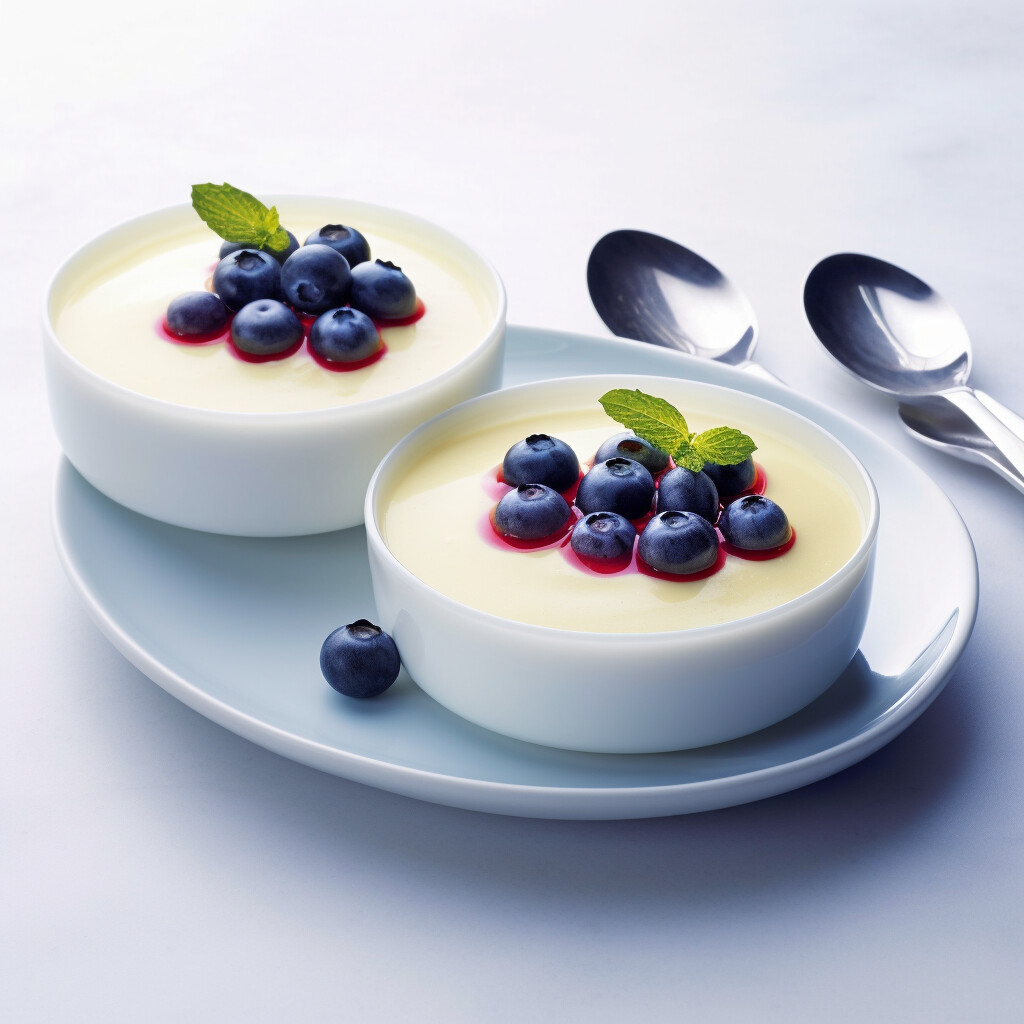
432,522
107,317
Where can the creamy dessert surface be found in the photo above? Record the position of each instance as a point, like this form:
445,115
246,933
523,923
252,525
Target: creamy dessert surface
108,320
432,523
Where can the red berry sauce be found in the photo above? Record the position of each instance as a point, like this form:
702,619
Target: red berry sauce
489,532
199,339
758,556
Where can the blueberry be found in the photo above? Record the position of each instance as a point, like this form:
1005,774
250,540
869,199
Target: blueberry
316,278
265,327
733,479
628,446
541,459
359,660
245,276
349,242
678,542
530,512
604,536
227,248
617,485
754,523
682,490
381,290
196,313
344,336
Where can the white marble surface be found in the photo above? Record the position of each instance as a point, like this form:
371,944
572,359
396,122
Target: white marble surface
155,867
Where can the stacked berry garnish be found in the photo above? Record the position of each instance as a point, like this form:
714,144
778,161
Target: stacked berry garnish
671,515
270,289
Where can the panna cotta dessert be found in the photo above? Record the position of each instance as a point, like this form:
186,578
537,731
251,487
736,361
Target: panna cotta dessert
271,422
110,318
449,496
535,635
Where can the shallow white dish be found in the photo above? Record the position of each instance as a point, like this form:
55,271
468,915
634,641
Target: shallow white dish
617,692
251,473
180,606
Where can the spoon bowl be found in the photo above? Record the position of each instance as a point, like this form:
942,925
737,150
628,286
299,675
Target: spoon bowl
886,327
651,289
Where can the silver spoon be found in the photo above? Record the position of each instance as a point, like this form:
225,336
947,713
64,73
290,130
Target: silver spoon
892,331
650,289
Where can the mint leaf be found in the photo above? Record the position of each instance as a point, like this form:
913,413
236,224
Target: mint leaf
238,216
688,457
724,445
663,425
651,418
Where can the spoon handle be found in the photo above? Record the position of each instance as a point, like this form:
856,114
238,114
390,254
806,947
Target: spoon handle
1010,419
1007,438
938,423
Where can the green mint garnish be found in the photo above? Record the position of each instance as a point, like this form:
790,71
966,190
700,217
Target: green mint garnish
663,425
238,216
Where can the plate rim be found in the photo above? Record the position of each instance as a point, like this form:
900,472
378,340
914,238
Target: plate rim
563,802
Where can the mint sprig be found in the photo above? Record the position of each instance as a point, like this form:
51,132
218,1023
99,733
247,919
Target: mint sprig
663,425
238,216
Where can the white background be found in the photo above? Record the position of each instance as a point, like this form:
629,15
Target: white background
157,868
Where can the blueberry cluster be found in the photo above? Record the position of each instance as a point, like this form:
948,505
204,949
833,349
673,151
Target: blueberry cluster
631,486
329,278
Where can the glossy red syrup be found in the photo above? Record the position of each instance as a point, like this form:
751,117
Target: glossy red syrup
402,321
757,487
489,532
249,357
759,556
200,339
344,367
691,577
224,336
493,484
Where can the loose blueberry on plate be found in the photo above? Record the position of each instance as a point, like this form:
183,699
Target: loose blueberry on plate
541,459
682,490
603,536
360,659
628,446
227,248
316,278
349,242
617,485
679,543
381,290
265,328
344,336
245,276
196,313
530,512
754,523
733,479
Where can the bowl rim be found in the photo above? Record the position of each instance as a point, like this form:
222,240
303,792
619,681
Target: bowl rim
793,607
192,413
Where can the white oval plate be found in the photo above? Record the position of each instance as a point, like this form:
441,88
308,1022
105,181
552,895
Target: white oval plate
232,626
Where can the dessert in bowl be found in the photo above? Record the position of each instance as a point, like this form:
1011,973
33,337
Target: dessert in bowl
198,435
530,641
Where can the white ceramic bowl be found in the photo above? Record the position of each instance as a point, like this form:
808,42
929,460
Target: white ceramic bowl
252,473
623,692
